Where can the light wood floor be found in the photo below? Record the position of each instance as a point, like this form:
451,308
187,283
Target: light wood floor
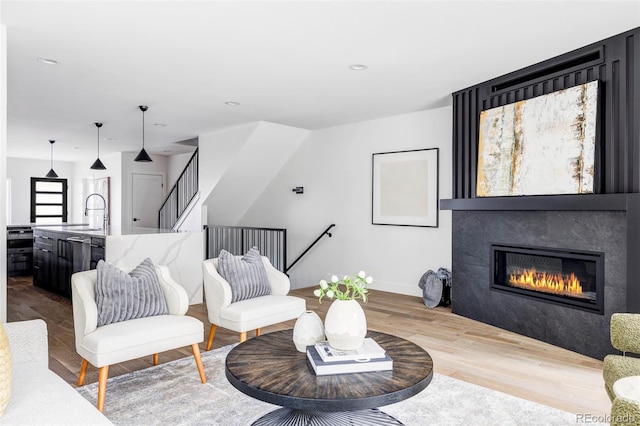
460,347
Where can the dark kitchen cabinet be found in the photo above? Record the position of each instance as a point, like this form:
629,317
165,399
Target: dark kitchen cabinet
19,250
43,260
63,266
58,255
97,252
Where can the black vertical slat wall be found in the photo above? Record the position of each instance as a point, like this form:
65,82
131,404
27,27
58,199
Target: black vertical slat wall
615,62
271,242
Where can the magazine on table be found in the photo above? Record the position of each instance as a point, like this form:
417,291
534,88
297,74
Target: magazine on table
322,368
369,350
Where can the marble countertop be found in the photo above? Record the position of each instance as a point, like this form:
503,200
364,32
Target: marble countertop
112,231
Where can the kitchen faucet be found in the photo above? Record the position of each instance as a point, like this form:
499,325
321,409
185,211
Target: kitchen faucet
104,209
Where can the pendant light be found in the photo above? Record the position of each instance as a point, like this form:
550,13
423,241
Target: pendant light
142,155
51,173
97,165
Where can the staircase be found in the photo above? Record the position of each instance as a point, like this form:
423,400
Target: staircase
181,195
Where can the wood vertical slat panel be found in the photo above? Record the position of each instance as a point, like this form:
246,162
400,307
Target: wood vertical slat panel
460,147
617,160
456,184
625,152
473,142
459,142
467,146
633,124
618,150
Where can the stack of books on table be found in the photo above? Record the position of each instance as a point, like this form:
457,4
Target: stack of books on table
325,359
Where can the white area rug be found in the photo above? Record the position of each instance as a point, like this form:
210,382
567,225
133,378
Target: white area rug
172,394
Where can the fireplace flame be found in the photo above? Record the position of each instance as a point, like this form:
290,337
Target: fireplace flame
550,283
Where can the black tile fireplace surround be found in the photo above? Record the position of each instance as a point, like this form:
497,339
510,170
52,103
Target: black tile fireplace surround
578,330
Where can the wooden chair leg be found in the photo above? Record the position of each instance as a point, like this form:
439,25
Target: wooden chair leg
243,336
196,355
212,333
83,371
257,332
155,359
102,386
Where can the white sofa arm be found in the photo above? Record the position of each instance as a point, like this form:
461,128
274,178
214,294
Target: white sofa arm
217,290
280,284
174,293
85,309
28,341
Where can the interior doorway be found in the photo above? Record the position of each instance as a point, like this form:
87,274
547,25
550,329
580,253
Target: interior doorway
147,197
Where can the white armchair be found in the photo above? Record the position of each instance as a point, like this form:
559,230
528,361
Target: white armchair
249,314
126,340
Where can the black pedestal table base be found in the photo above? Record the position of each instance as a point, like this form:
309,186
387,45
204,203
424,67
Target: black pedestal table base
290,417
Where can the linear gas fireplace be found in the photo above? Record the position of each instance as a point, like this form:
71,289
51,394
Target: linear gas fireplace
568,277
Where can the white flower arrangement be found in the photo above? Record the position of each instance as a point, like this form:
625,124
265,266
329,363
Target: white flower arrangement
349,288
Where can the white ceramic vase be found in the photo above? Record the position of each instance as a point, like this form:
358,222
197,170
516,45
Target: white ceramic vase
345,325
307,330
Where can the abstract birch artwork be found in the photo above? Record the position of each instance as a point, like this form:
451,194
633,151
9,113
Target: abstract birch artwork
541,146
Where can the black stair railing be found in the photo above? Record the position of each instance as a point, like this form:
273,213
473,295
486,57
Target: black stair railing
237,240
181,194
325,232
271,242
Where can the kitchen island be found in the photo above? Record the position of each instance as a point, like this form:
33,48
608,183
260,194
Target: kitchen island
61,250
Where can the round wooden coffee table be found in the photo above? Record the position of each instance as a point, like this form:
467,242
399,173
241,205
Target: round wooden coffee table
269,368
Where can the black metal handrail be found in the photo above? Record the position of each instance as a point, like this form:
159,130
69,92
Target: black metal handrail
325,232
180,195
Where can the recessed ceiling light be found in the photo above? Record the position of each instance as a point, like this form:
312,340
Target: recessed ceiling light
231,103
110,139
358,67
160,125
47,61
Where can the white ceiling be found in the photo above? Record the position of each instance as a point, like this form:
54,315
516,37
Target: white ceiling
284,62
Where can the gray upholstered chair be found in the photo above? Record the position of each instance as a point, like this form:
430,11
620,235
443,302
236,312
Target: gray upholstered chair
131,339
249,314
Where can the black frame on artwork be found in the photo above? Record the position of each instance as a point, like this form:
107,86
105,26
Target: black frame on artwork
399,208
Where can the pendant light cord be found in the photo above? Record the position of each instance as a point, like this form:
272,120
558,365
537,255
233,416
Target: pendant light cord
143,128
51,144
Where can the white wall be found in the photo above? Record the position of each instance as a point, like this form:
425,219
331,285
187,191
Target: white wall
3,173
334,166
259,158
216,151
21,170
158,166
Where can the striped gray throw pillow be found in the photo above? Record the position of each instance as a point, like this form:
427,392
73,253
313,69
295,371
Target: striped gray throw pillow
246,275
121,296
